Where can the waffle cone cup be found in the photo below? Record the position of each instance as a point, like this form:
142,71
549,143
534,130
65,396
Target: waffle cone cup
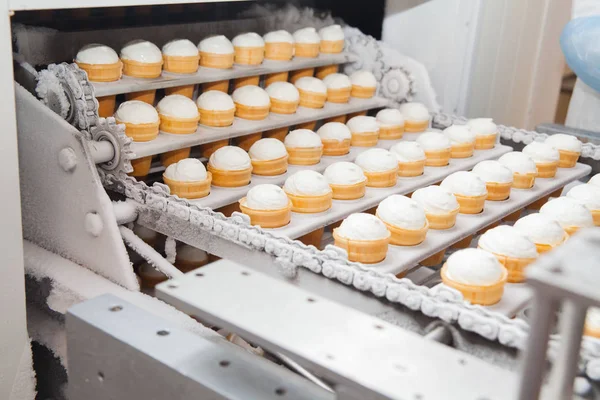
356,114
141,167
214,60
245,142
217,118
189,190
362,92
207,149
487,228
411,169
415,126
186,266
513,217
547,170
338,95
442,221
332,46
322,72
268,218
147,96
498,191
106,106
249,55
310,50
279,133
310,125
591,331
171,157
310,204
102,72
304,155
382,179
279,51
181,64
141,132
251,112
179,126
142,70
571,230
463,243
470,204
187,91
406,237
335,147
485,142
365,139
391,132
270,167
363,251
276,77
437,158
221,86
283,107
477,294
339,118
229,209
596,216
536,205
312,99
462,150
523,181
224,178
514,266
568,159
348,192
313,238
434,260
246,81
301,73
150,281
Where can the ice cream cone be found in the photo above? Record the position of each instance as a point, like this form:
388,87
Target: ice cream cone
391,132
279,133
336,148
476,294
348,192
214,60
310,50
245,142
514,266
338,95
106,106
311,125
267,218
382,179
207,149
536,205
310,204
406,237
147,96
246,81
102,72
487,228
485,142
568,159
313,238
442,221
362,92
356,114
304,155
544,248
364,139
142,70
141,167
141,132
221,86
523,181
270,167
216,118
411,169
181,64
249,55
283,107
251,112
437,158
590,331
332,46
462,150
186,266
434,260
312,99
415,126
179,126
276,77
547,170
364,251
189,190
339,118
223,178
498,191
301,73
149,280
171,157
229,209
513,217
322,72
279,51
596,216
187,91
463,243
470,204
571,230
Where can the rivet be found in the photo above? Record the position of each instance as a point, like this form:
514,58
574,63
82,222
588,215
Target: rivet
67,159
93,224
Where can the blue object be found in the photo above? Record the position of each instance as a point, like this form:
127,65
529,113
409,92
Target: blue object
580,42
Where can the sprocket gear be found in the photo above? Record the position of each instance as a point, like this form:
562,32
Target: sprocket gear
107,129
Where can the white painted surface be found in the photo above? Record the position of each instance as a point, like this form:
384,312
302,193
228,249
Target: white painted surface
57,4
